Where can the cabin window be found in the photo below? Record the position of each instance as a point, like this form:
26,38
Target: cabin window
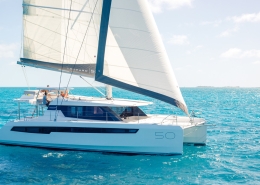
87,112
73,111
18,129
80,111
124,112
32,129
98,110
98,113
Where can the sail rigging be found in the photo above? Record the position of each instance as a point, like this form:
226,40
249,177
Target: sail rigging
122,48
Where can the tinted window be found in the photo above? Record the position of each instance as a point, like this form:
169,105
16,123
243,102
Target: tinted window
32,130
48,130
78,130
80,111
98,110
73,111
18,129
94,113
124,112
98,113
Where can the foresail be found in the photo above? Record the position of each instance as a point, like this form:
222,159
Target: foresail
131,54
45,33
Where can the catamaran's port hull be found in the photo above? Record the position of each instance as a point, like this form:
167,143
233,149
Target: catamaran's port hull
149,139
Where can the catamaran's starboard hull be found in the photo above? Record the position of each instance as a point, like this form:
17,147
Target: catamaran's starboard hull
147,139
195,134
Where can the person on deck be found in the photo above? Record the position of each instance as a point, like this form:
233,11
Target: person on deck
45,101
66,94
62,94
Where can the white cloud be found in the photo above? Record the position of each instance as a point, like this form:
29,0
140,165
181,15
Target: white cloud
188,24
254,17
215,23
183,68
238,53
188,52
12,63
256,62
178,69
158,5
251,53
198,47
231,53
8,50
228,32
179,40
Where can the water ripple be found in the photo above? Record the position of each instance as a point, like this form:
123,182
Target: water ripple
231,156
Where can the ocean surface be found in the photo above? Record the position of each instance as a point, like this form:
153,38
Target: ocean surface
231,156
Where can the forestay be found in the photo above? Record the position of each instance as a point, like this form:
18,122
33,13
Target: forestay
45,29
131,54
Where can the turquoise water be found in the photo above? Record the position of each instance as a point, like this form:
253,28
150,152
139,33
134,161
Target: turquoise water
232,154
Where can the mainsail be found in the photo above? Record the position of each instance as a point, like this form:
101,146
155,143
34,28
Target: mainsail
115,41
131,54
45,35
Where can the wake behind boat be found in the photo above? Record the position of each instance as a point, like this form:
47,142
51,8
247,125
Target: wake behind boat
118,44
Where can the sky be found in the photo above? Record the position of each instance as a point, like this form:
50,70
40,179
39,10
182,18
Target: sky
209,43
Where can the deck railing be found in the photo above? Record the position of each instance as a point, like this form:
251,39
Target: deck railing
167,118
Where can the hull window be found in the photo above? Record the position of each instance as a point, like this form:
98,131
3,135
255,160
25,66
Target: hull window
48,130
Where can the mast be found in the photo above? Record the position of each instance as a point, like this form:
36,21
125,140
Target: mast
109,92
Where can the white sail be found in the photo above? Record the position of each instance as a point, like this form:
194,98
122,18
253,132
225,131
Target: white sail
135,58
131,54
45,34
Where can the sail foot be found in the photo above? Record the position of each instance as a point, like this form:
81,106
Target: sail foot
86,70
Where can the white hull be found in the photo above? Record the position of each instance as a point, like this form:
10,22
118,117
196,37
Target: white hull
196,134
105,124
96,124
150,139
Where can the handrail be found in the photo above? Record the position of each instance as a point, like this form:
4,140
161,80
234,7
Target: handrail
168,117
192,115
34,111
10,116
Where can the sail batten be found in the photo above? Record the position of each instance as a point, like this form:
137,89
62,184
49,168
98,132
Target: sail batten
56,8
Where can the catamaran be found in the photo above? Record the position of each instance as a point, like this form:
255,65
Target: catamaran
117,43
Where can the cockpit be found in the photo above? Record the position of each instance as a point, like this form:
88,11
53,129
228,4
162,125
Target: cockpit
36,96
81,107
